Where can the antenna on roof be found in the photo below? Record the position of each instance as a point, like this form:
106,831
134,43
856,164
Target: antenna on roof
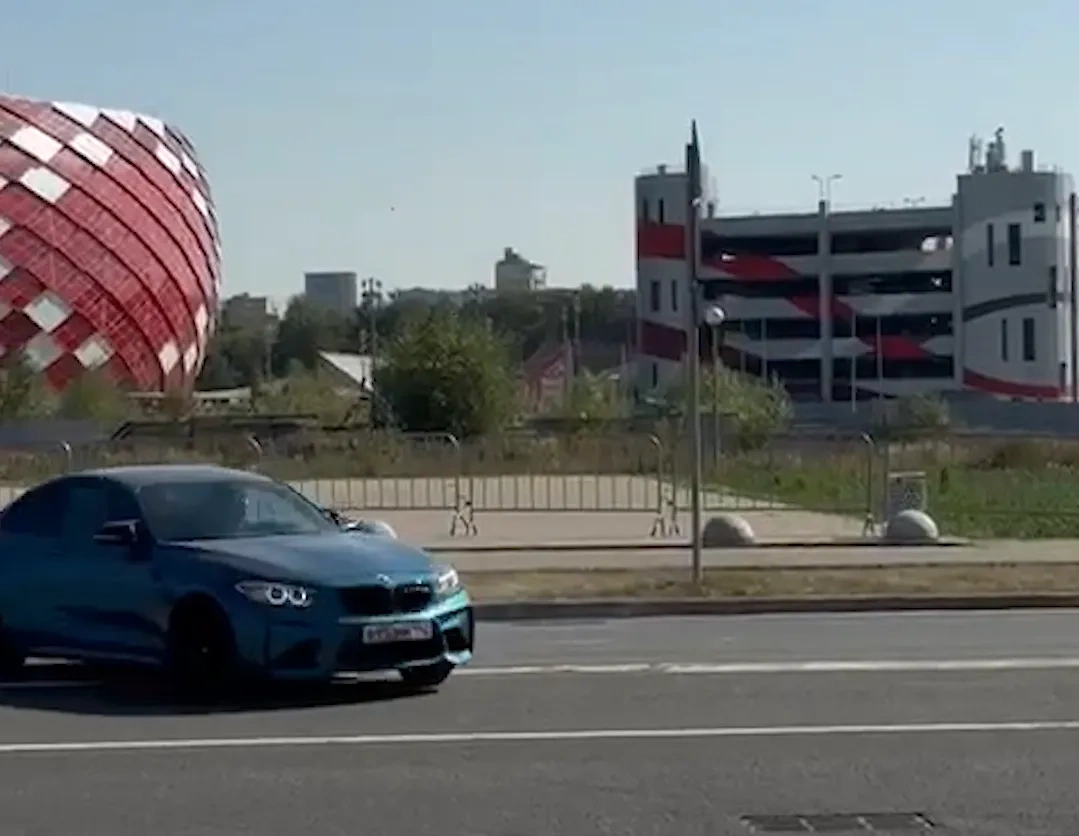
975,155
997,157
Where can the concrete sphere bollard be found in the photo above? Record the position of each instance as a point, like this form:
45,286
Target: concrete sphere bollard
727,531
912,526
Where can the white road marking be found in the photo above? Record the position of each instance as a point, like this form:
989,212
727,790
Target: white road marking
744,668
532,736
701,669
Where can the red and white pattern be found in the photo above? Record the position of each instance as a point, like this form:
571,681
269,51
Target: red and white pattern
110,255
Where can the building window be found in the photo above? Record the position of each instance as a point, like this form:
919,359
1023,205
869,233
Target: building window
1039,213
674,295
1054,292
1004,341
661,214
653,294
1015,244
990,244
655,375
644,209
1029,352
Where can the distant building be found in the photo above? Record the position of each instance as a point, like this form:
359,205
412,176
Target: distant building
247,312
546,376
515,274
976,294
331,291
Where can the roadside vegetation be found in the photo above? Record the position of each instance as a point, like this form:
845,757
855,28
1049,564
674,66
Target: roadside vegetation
450,406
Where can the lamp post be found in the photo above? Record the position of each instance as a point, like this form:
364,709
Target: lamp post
372,298
714,317
693,344
825,293
824,187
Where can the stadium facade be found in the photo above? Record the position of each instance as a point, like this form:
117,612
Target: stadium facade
110,255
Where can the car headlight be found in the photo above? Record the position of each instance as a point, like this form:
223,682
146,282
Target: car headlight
277,594
448,582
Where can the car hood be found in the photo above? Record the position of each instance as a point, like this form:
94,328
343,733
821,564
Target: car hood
334,559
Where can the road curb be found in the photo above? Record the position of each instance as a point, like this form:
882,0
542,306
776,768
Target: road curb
682,545
651,607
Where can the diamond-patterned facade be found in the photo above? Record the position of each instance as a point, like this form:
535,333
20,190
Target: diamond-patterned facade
110,255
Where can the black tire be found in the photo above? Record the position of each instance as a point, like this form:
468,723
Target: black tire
426,677
201,651
12,658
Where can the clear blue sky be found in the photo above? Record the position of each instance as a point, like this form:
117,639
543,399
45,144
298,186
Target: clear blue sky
414,140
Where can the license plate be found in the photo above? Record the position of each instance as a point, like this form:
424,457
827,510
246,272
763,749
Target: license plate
404,631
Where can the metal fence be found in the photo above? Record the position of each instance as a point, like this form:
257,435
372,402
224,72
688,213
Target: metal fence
832,481
831,484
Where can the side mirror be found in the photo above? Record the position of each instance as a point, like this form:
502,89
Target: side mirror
118,533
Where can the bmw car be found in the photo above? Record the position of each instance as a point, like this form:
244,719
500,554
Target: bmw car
218,576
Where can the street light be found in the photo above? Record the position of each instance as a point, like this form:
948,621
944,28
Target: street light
372,300
825,292
824,186
714,317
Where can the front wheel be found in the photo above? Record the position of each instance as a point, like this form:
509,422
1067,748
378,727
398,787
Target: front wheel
11,657
426,676
201,652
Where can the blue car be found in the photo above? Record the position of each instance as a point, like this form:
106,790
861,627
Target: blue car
218,576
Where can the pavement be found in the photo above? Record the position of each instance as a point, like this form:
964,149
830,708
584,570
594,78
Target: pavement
660,726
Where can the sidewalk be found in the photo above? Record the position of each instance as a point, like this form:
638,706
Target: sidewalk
515,529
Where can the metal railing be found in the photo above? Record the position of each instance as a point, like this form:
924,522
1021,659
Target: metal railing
977,484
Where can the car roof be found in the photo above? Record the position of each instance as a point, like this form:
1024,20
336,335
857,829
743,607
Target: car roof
140,475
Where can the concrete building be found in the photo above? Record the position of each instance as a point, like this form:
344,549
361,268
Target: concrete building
247,312
515,274
332,291
975,295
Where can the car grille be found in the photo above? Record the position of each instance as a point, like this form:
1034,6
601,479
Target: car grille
386,600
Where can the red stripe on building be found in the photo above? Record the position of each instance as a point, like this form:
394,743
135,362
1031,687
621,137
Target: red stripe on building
668,241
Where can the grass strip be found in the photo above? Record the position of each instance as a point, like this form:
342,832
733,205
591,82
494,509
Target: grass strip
982,579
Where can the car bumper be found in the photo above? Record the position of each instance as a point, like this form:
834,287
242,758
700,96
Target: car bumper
311,651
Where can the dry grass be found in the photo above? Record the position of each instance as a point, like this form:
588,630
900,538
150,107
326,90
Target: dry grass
775,583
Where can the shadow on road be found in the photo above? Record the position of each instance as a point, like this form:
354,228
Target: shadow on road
78,689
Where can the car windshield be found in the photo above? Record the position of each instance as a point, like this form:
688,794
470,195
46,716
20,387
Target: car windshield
221,508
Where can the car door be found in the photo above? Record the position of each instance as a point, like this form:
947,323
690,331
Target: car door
28,538
104,593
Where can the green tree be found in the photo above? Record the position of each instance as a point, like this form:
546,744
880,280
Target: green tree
594,397
752,408
303,392
94,397
305,331
448,372
23,393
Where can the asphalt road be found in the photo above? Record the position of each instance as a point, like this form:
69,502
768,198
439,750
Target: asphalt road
679,726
